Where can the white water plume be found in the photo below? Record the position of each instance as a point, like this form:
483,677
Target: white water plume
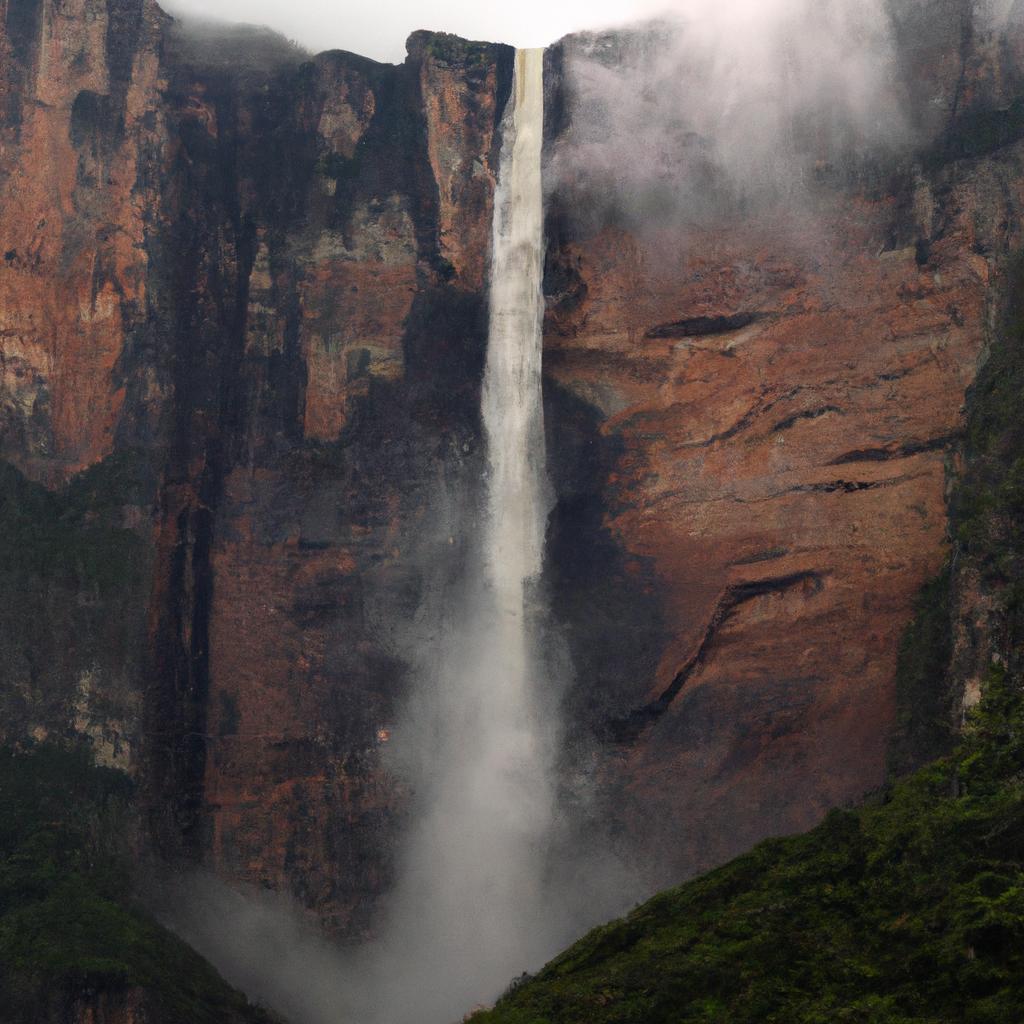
469,911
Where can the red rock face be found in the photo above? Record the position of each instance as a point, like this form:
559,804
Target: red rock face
355,298
779,398
73,290
460,92
268,279
321,476
785,480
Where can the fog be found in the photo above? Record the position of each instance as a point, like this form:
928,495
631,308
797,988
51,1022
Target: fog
726,104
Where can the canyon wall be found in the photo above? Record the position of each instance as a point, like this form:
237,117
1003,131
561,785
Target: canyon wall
242,326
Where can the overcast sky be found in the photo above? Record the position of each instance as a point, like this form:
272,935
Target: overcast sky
378,28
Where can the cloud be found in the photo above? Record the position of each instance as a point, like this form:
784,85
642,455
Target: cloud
727,104
379,30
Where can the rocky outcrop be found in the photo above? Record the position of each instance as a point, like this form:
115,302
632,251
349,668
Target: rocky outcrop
80,126
782,486
82,116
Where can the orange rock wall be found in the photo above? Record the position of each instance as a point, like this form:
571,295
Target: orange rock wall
73,287
321,474
778,397
786,483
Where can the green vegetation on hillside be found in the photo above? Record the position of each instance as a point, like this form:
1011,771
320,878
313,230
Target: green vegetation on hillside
75,581
925,721
66,538
67,922
909,911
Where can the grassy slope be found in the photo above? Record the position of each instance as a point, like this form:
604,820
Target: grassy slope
912,910
907,910
67,921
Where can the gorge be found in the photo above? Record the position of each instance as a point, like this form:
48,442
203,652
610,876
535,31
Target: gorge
311,401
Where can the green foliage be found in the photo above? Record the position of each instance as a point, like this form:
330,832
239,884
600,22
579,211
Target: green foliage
67,538
66,918
908,911
924,720
978,132
988,503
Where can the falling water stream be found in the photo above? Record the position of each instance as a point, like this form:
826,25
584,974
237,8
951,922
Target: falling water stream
469,907
512,414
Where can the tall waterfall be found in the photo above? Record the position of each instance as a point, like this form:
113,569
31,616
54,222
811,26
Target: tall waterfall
490,882
469,909
512,383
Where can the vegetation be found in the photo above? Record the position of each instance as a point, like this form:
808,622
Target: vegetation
924,699
65,538
75,582
908,911
453,49
67,923
988,504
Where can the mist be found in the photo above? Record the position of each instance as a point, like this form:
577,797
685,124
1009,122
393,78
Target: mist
727,105
379,31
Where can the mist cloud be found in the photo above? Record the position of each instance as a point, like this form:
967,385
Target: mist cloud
379,30
727,103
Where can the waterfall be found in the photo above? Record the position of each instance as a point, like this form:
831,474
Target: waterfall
489,880
511,403
469,910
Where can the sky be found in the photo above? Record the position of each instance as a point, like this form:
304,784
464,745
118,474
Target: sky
378,28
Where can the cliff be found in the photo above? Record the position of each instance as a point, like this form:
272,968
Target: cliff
243,302
243,338
758,408
74,946
907,908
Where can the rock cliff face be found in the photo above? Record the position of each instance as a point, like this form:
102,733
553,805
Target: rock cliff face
332,325
253,286
770,400
243,302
